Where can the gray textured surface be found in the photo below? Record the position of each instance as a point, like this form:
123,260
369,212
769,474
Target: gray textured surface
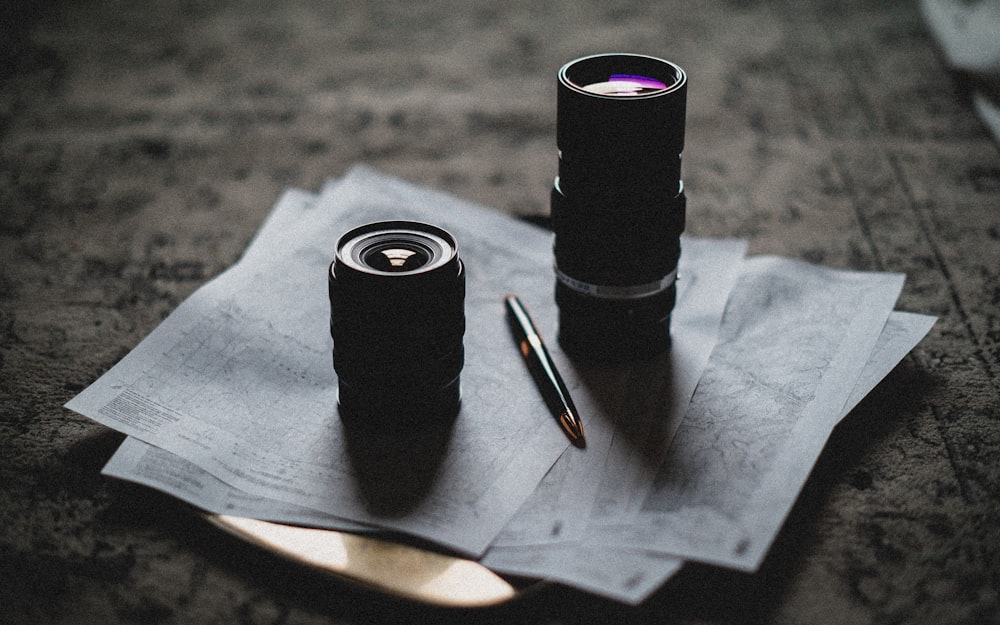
141,144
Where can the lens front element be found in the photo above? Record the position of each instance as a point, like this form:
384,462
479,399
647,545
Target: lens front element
626,85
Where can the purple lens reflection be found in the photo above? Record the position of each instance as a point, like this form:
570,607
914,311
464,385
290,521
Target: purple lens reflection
645,81
626,85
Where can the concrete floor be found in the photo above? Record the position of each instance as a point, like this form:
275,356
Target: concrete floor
141,144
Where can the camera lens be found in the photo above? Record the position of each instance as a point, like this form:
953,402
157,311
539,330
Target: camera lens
397,317
618,204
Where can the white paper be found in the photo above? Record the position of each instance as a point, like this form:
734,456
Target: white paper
658,397
631,575
239,380
792,345
630,411
793,338
157,468
624,575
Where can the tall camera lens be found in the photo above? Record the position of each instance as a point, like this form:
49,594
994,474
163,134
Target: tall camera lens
397,317
618,203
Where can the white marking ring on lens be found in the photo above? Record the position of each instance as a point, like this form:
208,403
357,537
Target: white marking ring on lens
617,291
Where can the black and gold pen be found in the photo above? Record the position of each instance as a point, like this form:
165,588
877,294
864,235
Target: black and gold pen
544,371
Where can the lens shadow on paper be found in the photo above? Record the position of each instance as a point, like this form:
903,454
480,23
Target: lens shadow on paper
396,465
637,399
648,415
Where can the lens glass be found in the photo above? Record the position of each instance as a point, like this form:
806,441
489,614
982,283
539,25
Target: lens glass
395,251
626,85
395,258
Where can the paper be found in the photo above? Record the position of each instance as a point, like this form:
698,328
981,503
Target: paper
658,397
239,380
630,411
790,352
157,468
631,575
625,575
670,472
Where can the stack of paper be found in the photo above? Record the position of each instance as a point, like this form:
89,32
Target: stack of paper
230,404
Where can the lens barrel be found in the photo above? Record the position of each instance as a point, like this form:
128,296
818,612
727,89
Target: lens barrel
397,318
618,204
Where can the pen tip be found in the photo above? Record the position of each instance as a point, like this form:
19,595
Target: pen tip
573,427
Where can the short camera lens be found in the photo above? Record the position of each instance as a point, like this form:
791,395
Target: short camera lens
397,317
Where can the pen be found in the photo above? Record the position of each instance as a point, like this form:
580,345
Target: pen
544,371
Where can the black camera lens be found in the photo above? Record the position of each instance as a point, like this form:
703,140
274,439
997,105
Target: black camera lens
397,317
618,204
